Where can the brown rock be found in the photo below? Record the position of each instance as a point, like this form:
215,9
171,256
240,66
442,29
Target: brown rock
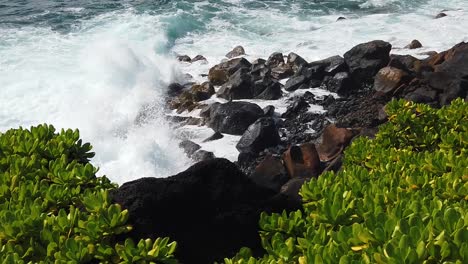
270,173
220,73
415,44
388,79
202,91
302,161
334,140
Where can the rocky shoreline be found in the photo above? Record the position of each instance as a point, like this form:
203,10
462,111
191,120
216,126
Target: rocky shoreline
212,208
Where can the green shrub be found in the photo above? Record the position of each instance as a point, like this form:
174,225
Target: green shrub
53,209
399,198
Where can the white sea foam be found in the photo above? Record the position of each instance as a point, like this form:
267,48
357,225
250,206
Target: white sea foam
96,80
98,77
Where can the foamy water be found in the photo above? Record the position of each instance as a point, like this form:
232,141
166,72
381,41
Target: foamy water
98,71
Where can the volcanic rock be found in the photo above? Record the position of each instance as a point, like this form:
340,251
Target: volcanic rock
334,140
270,173
237,51
260,135
211,210
184,58
388,79
234,117
275,59
302,161
189,147
366,59
239,86
220,73
415,44
341,83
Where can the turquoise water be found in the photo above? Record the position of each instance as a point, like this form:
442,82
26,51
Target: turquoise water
95,64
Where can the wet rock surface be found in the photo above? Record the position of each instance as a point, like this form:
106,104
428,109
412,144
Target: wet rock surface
279,149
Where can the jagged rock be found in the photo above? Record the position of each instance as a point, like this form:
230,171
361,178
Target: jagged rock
302,161
219,74
449,85
269,110
184,58
341,83
270,173
202,155
366,59
329,66
295,82
388,79
189,147
202,91
237,51
415,44
260,70
295,61
281,71
214,137
440,15
174,89
199,58
275,60
406,63
223,204
267,89
422,95
207,109
234,117
260,135
299,105
334,140
455,61
239,86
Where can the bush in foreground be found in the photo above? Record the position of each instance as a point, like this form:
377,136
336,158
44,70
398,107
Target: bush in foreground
399,198
54,209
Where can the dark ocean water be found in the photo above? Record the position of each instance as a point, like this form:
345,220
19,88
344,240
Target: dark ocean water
65,16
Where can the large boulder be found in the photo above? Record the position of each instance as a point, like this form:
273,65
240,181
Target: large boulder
449,86
211,210
262,134
239,86
295,61
302,161
275,59
455,61
334,141
366,59
329,66
220,73
295,83
388,79
234,117
340,83
267,89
